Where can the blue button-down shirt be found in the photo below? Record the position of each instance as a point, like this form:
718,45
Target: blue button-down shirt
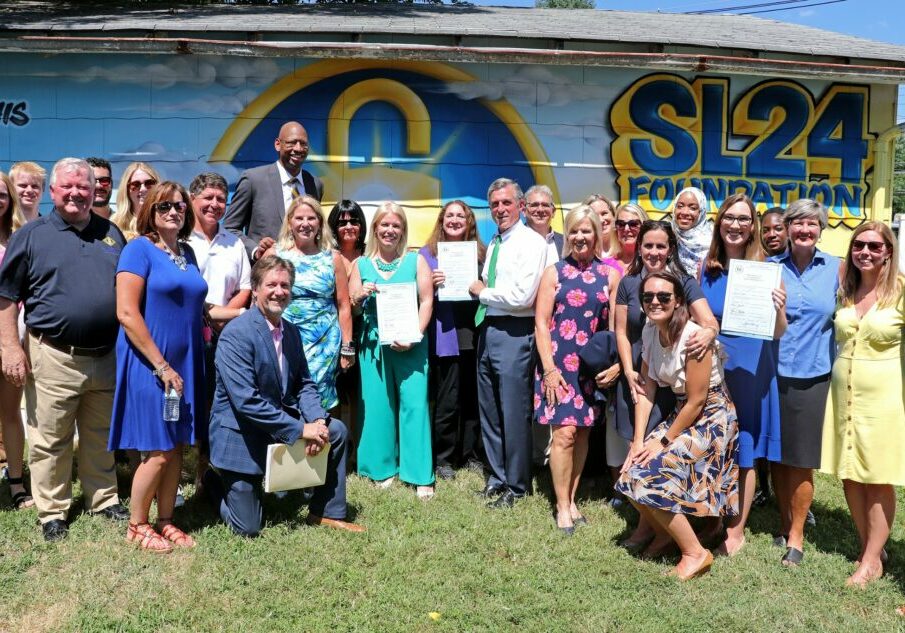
807,348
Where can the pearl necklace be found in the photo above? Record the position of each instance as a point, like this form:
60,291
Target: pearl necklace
179,260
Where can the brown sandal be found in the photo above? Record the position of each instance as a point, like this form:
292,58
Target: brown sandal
169,531
144,536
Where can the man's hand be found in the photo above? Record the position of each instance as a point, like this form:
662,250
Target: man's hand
15,365
476,287
316,434
263,245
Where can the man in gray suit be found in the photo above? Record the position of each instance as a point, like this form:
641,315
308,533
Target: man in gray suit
263,194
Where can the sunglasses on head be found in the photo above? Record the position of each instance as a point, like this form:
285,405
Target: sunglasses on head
632,224
663,297
164,207
873,247
135,185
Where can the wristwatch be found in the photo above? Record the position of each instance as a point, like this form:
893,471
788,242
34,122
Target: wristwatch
664,441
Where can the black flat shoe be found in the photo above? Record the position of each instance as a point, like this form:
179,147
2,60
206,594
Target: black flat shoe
581,520
779,540
446,472
792,557
55,530
504,501
567,531
492,492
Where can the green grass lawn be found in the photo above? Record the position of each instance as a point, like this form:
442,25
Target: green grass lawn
480,570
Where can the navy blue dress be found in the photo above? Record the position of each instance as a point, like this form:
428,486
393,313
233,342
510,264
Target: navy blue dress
172,308
750,370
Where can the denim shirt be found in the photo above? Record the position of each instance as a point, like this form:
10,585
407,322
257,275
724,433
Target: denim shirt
808,346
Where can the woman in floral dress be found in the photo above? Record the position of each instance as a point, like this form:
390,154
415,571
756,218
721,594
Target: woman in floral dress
573,302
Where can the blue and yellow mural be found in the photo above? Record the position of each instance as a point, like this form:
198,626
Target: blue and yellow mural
423,133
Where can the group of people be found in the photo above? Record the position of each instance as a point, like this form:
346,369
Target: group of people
179,320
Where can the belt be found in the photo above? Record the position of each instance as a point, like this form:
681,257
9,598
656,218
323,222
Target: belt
72,350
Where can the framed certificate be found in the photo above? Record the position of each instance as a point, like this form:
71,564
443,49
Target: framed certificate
397,313
748,309
459,262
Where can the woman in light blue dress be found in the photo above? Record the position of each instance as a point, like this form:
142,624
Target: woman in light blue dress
320,296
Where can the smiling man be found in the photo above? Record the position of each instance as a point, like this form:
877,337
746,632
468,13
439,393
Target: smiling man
103,186
539,210
513,267
263,194
61,267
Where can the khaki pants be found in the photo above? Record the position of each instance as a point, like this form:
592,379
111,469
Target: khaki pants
61,392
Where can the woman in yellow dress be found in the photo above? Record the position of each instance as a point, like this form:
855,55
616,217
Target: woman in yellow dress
864,429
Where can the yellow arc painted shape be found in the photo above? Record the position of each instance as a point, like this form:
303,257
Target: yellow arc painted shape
418,134
245,123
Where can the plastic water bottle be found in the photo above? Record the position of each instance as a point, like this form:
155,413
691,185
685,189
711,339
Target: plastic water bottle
171,402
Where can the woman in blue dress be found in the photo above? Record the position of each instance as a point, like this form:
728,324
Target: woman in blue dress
159,302
320,296
751,364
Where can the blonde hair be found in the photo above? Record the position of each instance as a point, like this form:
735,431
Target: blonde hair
371,247
13,219
576,216
28,168
125,215
890,283
634,209
324,237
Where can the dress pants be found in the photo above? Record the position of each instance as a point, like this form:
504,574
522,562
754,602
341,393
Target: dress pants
506,398
394,432
457,436
237,496
61,392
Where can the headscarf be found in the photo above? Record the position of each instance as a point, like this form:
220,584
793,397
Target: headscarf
694,242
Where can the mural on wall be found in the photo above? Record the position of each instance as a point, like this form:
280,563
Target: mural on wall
423,133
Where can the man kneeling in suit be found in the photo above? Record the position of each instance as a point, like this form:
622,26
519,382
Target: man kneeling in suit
262,372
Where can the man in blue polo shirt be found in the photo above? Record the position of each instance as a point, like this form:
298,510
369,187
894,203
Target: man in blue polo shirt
62,267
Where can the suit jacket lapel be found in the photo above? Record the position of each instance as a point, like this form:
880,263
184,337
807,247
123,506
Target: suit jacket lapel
277,185
266,342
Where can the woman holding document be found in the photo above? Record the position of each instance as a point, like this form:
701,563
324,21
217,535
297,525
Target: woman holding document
394,435
750,367
457,436
864,428
806,353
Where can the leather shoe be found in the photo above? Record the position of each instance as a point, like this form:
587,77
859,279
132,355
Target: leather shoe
491,491
504,501
446,472
336,524
116,512
55,530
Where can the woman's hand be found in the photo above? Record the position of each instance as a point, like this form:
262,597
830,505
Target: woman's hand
171,379
635,385
607,378
396,346
633,449
652,447
438,277
699,342
345,362
367,289
553,382
264,245
779,299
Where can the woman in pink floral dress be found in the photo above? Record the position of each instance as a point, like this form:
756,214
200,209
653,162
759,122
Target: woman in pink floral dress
573,302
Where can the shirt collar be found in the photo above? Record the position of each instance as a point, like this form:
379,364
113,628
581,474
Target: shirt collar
57,220
271,327
201,236
786,257
285,176
505,235
549,236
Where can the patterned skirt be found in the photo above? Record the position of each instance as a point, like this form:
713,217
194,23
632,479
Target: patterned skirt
697,474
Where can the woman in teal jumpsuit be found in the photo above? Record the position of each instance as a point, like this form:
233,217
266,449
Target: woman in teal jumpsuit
393,415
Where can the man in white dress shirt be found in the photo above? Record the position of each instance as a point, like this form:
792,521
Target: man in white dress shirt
539,210
513,266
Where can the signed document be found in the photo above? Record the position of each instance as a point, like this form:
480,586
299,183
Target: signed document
748,309
459,262
397,313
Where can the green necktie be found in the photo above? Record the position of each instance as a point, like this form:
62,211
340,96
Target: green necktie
491,278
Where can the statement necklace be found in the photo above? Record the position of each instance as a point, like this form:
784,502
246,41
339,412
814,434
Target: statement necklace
179,260
384,267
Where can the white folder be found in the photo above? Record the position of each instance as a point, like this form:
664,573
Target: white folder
290,468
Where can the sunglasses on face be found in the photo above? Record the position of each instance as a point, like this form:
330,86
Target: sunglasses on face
663,297
632,224
164,207
104,180
135,185
349,222
873,247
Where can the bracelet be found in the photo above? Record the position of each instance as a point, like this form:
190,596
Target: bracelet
552,371
160,371
347,350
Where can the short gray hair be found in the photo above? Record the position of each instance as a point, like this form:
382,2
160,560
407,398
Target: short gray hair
502,183
65,165
806,208
542,189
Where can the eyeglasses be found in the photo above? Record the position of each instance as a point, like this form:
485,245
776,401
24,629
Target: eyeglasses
349,222
164,207
663,297
135,185
632,224
743,220
540,205
104,180
873,247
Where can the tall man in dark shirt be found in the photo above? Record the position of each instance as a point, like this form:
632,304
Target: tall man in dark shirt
62,266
